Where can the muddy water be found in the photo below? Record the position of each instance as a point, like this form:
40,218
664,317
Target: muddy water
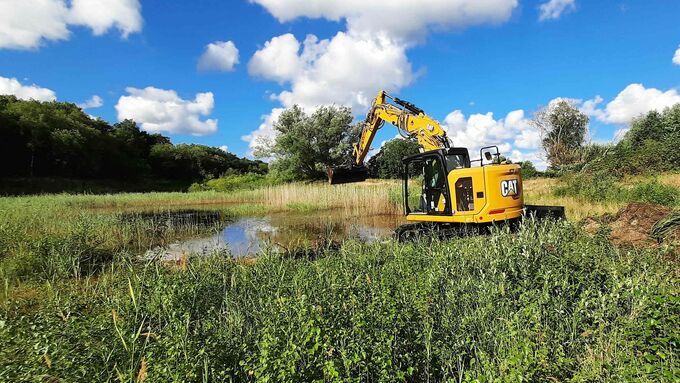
250,235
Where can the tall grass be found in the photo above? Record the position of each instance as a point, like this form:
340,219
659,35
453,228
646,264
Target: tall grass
545,304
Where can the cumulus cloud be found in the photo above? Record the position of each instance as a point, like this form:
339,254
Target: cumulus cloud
343,70
219,56
12,86
631,102
224,148
278,60
676,57
264,133
27,24
399,19
553,9
94,102
102,15
511,133
349,68
160,110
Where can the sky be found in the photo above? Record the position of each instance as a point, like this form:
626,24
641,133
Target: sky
219,72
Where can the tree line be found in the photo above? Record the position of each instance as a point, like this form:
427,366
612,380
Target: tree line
57,139
306,144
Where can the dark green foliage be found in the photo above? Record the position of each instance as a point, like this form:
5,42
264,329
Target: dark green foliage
198,162
545,304
233,182
387,162
650,146
655,192
307,144
57,139
529,170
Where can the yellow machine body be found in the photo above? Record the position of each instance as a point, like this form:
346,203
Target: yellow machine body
440,184
496,196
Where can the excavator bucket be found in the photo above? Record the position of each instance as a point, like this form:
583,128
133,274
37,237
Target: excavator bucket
347,174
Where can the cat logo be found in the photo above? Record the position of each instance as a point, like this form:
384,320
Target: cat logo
509,188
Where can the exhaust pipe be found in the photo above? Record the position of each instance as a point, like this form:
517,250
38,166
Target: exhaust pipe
347,174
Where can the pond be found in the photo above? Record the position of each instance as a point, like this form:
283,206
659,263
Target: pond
249,235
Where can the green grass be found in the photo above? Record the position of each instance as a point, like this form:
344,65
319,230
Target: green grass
546,304
604,187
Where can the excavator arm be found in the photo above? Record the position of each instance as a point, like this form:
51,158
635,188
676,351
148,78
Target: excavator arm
412,123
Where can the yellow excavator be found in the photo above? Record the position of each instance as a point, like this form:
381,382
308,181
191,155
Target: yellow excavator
443,189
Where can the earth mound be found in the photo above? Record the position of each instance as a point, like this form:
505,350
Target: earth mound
632,225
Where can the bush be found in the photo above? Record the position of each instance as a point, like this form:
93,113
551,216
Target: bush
232,182
655,192
529,170
591,186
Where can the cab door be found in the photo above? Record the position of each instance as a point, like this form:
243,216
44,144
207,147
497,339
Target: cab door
426,189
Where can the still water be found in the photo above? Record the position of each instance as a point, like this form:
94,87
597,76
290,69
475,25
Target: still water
248,236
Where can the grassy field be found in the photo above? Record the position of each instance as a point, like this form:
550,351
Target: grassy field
546,304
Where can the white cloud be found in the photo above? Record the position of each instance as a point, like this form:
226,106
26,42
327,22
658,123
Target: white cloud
219,56
12,86
399,19
160,110
102,15
224,148
349,68
343,70
347,71
94,102
553,9
631,102
265,132
676,57
278,60
510,134
26,24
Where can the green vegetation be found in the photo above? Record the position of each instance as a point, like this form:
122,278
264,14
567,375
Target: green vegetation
57,139
600,187
305,145
563,130
546,303
232,182
649,147
387,162
529,170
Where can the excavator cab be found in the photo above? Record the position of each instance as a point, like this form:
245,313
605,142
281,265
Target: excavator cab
425,188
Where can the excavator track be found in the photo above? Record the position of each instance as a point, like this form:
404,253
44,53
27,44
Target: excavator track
413,232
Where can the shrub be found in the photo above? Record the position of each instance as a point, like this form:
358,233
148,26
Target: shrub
232,182
591,186
655,192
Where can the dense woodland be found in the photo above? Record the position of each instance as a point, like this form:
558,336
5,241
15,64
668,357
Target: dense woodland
57,139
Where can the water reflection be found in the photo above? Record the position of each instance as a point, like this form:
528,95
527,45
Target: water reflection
250,235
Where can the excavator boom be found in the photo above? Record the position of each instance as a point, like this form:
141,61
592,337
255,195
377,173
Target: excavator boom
412,123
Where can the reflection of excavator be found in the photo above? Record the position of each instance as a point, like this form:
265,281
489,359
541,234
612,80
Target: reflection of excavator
442,189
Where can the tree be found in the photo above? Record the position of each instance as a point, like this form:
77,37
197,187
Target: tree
563,130
387,163
529,170
59,139
305,145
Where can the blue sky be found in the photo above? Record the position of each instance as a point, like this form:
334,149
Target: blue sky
614,59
